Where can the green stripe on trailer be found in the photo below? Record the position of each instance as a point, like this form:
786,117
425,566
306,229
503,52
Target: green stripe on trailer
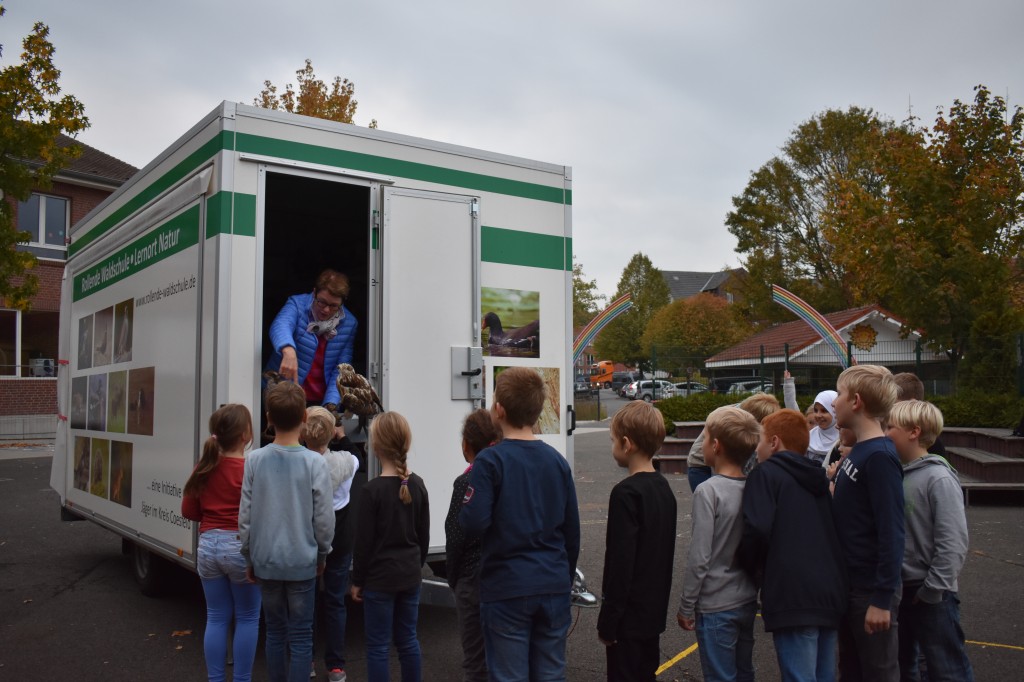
226,140
341,158
513,247
160,185
242,211
174,236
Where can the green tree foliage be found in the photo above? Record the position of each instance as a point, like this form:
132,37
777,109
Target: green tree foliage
313,98
586,302
779,218
620,340
34,115
684,333
941,245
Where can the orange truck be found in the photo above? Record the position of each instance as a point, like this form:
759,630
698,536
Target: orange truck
601,374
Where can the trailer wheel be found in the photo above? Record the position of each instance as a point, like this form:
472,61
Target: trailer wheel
150,571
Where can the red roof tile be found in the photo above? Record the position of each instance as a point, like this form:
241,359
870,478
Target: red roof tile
798,334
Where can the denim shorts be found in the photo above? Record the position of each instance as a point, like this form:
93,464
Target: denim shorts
220,554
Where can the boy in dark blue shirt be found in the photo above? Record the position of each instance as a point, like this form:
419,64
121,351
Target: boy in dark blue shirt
639,548
868,510
522,501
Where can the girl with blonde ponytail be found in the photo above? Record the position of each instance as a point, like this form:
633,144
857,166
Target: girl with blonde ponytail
390,548
211,497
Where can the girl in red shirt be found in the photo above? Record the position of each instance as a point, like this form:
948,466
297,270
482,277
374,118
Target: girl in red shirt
211,497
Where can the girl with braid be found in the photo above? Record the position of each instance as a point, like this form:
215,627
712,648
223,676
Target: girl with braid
211,497
391,544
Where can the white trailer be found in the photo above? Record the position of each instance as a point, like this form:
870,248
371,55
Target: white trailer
171,285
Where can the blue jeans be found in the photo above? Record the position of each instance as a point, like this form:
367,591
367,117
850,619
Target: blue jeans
229,596
806,654
696,475
525,637
288,610
934,631
726,644
387,616
335,589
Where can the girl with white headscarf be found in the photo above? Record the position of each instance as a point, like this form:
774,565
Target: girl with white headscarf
825,434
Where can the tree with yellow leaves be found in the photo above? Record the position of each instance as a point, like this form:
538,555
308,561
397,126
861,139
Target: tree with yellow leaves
313,97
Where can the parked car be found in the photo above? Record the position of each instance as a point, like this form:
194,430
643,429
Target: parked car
650,389
752,386
620,380
584,387
685,388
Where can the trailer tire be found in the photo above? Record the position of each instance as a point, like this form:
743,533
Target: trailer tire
150,571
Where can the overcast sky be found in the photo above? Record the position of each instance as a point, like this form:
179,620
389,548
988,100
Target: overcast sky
663,109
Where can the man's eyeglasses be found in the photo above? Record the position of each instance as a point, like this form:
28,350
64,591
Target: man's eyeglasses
327,305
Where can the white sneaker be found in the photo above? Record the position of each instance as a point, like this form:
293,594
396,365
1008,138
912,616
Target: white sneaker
312,671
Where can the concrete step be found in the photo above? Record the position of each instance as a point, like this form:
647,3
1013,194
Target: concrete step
984,466
688,429
997,441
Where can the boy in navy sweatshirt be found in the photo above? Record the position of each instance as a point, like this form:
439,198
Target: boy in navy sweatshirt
639,548
522,501
791,550
868,511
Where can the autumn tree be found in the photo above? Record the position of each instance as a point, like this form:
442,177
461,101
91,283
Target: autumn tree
684,333
941,246
314,97
586,302
620,340
779,218
33,115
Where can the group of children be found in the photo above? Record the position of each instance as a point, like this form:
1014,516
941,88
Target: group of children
859,578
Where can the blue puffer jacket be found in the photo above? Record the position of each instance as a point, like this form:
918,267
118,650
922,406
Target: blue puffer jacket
289,329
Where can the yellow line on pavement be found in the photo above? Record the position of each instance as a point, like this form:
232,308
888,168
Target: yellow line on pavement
1001,646
680,656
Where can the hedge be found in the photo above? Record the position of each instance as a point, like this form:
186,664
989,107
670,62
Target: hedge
969,408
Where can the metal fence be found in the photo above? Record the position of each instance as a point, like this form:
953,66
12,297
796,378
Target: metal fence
993,364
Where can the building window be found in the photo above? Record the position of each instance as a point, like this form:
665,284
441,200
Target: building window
45,218
28,343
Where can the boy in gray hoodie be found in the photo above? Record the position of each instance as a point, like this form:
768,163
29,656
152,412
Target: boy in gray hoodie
936,546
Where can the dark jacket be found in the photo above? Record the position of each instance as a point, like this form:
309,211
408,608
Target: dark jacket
462,556
790,546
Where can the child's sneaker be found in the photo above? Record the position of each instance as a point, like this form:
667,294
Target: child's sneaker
312,670
337,675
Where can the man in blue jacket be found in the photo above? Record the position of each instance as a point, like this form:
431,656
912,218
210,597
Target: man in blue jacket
312,334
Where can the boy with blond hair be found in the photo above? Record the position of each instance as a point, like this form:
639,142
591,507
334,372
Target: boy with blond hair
719,599
936,547
521,500
868,512
791,550
639,549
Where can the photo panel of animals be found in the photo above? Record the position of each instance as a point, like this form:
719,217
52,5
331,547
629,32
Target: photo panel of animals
117,406
141,394
83,450
97,419
85,342
79,403
103,337
121,473
549,421
511,322
124,314
100,474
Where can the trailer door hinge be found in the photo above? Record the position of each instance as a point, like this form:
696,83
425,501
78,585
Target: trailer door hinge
474,208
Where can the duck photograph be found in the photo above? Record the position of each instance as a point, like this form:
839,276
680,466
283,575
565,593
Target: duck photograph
511,323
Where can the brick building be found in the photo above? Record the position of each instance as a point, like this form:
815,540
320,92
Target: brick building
28,339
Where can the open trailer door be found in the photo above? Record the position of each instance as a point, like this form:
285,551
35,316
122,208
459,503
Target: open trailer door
431,359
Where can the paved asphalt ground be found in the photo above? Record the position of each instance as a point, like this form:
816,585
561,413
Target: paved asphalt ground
70,610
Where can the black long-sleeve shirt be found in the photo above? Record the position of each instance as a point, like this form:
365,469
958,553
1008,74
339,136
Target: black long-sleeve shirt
462,555
392,538
639,550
